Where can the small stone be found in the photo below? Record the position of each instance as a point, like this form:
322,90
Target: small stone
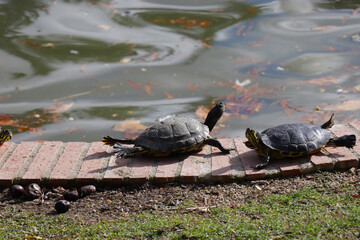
62,206
59,189
32,191
72,195
16,191
352,170
87,190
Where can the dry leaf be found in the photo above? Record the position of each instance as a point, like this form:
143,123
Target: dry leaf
5,119
323,28
59,107
25,42
288,113
72,96
47,45
125,60
4,97
349,105
259,42
205,44
202,112
105,86
102,26
18,89
83,67
168,95
323,81
285,104
148,89
192,86
135,85
239,30
129,126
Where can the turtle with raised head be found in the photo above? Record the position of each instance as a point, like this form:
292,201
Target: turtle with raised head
5,135
174,135
294,140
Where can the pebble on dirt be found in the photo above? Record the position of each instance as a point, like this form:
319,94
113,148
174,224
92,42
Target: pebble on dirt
62,206
32,191
16,191
71,195
87,190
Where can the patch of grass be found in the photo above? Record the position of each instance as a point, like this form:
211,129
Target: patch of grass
309,213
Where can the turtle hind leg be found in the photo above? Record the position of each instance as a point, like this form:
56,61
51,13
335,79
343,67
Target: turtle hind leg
329,123
215,143
112,141
348,141
122,151
264,164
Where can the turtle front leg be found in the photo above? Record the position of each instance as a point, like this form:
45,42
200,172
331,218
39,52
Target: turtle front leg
264,164
215,143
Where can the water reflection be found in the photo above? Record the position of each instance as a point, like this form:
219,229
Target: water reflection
119,60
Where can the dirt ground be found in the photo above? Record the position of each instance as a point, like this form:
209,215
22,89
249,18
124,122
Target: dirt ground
110,203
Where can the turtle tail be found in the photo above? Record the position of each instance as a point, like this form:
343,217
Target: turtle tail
112,141
348,141
122,151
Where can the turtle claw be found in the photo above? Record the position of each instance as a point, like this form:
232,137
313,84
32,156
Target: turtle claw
260,166
120,150
121,155
264,164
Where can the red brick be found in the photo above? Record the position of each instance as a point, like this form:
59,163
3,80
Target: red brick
61,173
140,171
345,158
4,149
191,167
355,123
92,163
288,166
322,162
14,163
41,161
340,130
249,159
221,163
117,171
166,170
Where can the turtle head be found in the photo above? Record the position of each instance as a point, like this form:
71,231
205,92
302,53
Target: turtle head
214,115
5,135
253,138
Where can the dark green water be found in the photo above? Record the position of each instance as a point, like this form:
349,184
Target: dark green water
104,62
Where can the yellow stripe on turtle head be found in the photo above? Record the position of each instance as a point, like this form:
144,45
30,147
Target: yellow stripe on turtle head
5,135
252,136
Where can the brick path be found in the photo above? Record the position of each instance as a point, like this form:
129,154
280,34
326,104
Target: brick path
79,163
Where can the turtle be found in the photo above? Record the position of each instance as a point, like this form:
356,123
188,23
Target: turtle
5,135
175,135
294,140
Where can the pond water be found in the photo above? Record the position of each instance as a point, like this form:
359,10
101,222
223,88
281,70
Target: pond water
79,70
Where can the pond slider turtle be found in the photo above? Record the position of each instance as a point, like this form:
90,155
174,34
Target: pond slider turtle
5,135
173,135
294,140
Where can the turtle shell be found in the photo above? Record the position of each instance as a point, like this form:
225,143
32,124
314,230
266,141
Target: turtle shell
295,138
174,134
